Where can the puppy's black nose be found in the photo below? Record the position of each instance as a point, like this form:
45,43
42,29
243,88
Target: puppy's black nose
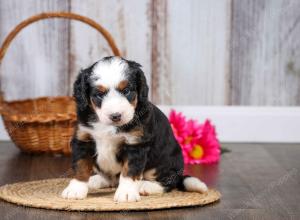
115,117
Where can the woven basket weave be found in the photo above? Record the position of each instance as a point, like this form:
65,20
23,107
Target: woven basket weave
44,124
46,194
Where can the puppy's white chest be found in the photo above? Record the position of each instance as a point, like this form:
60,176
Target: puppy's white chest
108,143
107,148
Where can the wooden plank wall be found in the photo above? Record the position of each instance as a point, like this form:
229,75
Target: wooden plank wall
36,64
199,52
195,52
128,23
265,62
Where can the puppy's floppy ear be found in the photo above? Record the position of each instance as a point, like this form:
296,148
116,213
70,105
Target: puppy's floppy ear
142,87
81,88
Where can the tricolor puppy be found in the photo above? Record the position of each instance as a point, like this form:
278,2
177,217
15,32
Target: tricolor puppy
122,139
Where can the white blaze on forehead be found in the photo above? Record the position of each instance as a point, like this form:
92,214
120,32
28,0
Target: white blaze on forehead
109,73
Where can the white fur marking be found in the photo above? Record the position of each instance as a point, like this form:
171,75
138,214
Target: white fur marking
106,150
107,143
114,102
130,139
150,187
98,181
128,190
193,184
100,130
109,73
75,190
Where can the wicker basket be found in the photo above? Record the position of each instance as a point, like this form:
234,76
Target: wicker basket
44,124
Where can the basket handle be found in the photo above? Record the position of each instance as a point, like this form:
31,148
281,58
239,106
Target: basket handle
67,15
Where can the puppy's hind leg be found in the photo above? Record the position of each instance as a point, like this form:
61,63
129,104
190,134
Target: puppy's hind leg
150,187
99,181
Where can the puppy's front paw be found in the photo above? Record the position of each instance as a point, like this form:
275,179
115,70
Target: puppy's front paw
126,195
75,190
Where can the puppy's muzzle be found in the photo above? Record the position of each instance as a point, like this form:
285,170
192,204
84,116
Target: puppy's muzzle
115,117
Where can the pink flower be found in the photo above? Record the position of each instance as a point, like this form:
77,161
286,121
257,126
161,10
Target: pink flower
199,142
178,123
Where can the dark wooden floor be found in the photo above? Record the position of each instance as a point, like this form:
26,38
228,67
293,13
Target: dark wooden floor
256,181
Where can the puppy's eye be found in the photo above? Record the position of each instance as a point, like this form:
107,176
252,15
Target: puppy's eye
100,95
126,91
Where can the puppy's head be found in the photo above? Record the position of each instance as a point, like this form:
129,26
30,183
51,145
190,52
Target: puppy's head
112,88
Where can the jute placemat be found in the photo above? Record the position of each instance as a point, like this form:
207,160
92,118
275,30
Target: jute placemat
46,194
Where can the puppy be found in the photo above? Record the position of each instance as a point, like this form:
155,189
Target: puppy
122,140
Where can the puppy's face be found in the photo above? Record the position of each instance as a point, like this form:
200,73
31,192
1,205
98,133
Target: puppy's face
116,87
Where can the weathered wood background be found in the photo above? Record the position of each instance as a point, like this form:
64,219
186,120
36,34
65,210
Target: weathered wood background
194,52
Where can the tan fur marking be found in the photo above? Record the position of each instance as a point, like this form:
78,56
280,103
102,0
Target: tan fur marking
134,102
134,136
102,89
84,169
137,132
144,193
125,170
140,177
150,175
122,85
83,136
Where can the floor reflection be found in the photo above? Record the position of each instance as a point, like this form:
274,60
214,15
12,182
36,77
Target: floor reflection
209,173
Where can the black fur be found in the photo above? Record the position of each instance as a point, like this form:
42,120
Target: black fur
142,87
81,93
82,149
158,148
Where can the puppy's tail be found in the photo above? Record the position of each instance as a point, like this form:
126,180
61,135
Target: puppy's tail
191,184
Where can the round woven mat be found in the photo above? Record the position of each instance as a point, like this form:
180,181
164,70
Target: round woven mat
46,194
